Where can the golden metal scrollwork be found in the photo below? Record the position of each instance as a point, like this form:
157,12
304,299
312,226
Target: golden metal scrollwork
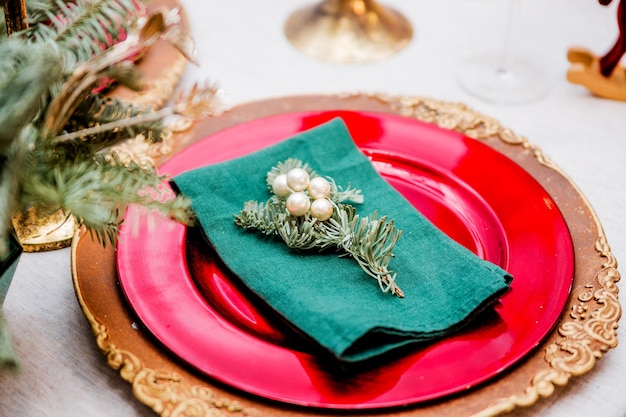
165,392
453,116
162,392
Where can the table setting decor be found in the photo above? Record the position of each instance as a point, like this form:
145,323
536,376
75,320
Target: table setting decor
160,71
186,335
348,31
352,312
61,117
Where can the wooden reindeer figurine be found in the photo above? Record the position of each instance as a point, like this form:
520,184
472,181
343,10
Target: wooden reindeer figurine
602,76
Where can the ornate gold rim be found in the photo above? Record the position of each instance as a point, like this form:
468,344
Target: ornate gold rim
165,392
585,334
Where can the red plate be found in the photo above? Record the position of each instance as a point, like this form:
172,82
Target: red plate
473,193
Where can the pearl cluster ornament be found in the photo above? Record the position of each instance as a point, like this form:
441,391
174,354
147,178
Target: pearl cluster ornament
304,194
297,211
298,203
298,179
280,187
321,209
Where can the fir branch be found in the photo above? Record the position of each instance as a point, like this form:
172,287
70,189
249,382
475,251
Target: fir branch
299,232
339,194
25,76
86,76
93,190
10,179
368,240
202,102
260,217
81,28
98,110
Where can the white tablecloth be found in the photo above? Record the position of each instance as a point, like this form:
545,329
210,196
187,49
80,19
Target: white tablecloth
242,47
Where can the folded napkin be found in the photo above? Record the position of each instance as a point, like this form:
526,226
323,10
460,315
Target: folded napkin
329,298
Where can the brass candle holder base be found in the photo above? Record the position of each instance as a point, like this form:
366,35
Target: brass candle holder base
348,31
37,232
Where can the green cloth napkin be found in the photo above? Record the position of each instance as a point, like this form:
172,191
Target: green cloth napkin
327,297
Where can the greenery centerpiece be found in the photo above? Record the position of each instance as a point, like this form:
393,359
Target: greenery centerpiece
58,125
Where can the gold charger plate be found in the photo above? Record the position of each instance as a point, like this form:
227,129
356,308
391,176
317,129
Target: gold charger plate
585,331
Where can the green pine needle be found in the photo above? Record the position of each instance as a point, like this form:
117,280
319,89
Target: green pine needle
82,28
368,240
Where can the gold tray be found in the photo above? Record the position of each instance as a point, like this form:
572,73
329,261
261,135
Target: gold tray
585,332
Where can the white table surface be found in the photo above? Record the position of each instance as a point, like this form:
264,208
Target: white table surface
242,47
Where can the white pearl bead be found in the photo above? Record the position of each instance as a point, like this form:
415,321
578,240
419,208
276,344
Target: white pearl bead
280,187
319,188
298,204
298,179
322,209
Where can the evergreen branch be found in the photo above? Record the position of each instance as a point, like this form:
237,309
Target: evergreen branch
97,110
10,180
86,76
82,28
368,240
145,118
339,195
201,103
25,76
299,232
260,217
92,192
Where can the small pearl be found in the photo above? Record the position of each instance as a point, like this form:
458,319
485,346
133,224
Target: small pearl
319,188
298,179
322,209
298,204
280,187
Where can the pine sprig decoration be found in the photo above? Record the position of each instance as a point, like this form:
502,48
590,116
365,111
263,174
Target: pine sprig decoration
93,189
337,193
25,77
98,110
368,240
58,126
82,28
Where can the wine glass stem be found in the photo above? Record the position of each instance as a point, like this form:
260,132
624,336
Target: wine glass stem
504,66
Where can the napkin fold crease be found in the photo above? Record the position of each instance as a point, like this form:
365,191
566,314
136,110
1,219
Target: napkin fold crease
327,297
